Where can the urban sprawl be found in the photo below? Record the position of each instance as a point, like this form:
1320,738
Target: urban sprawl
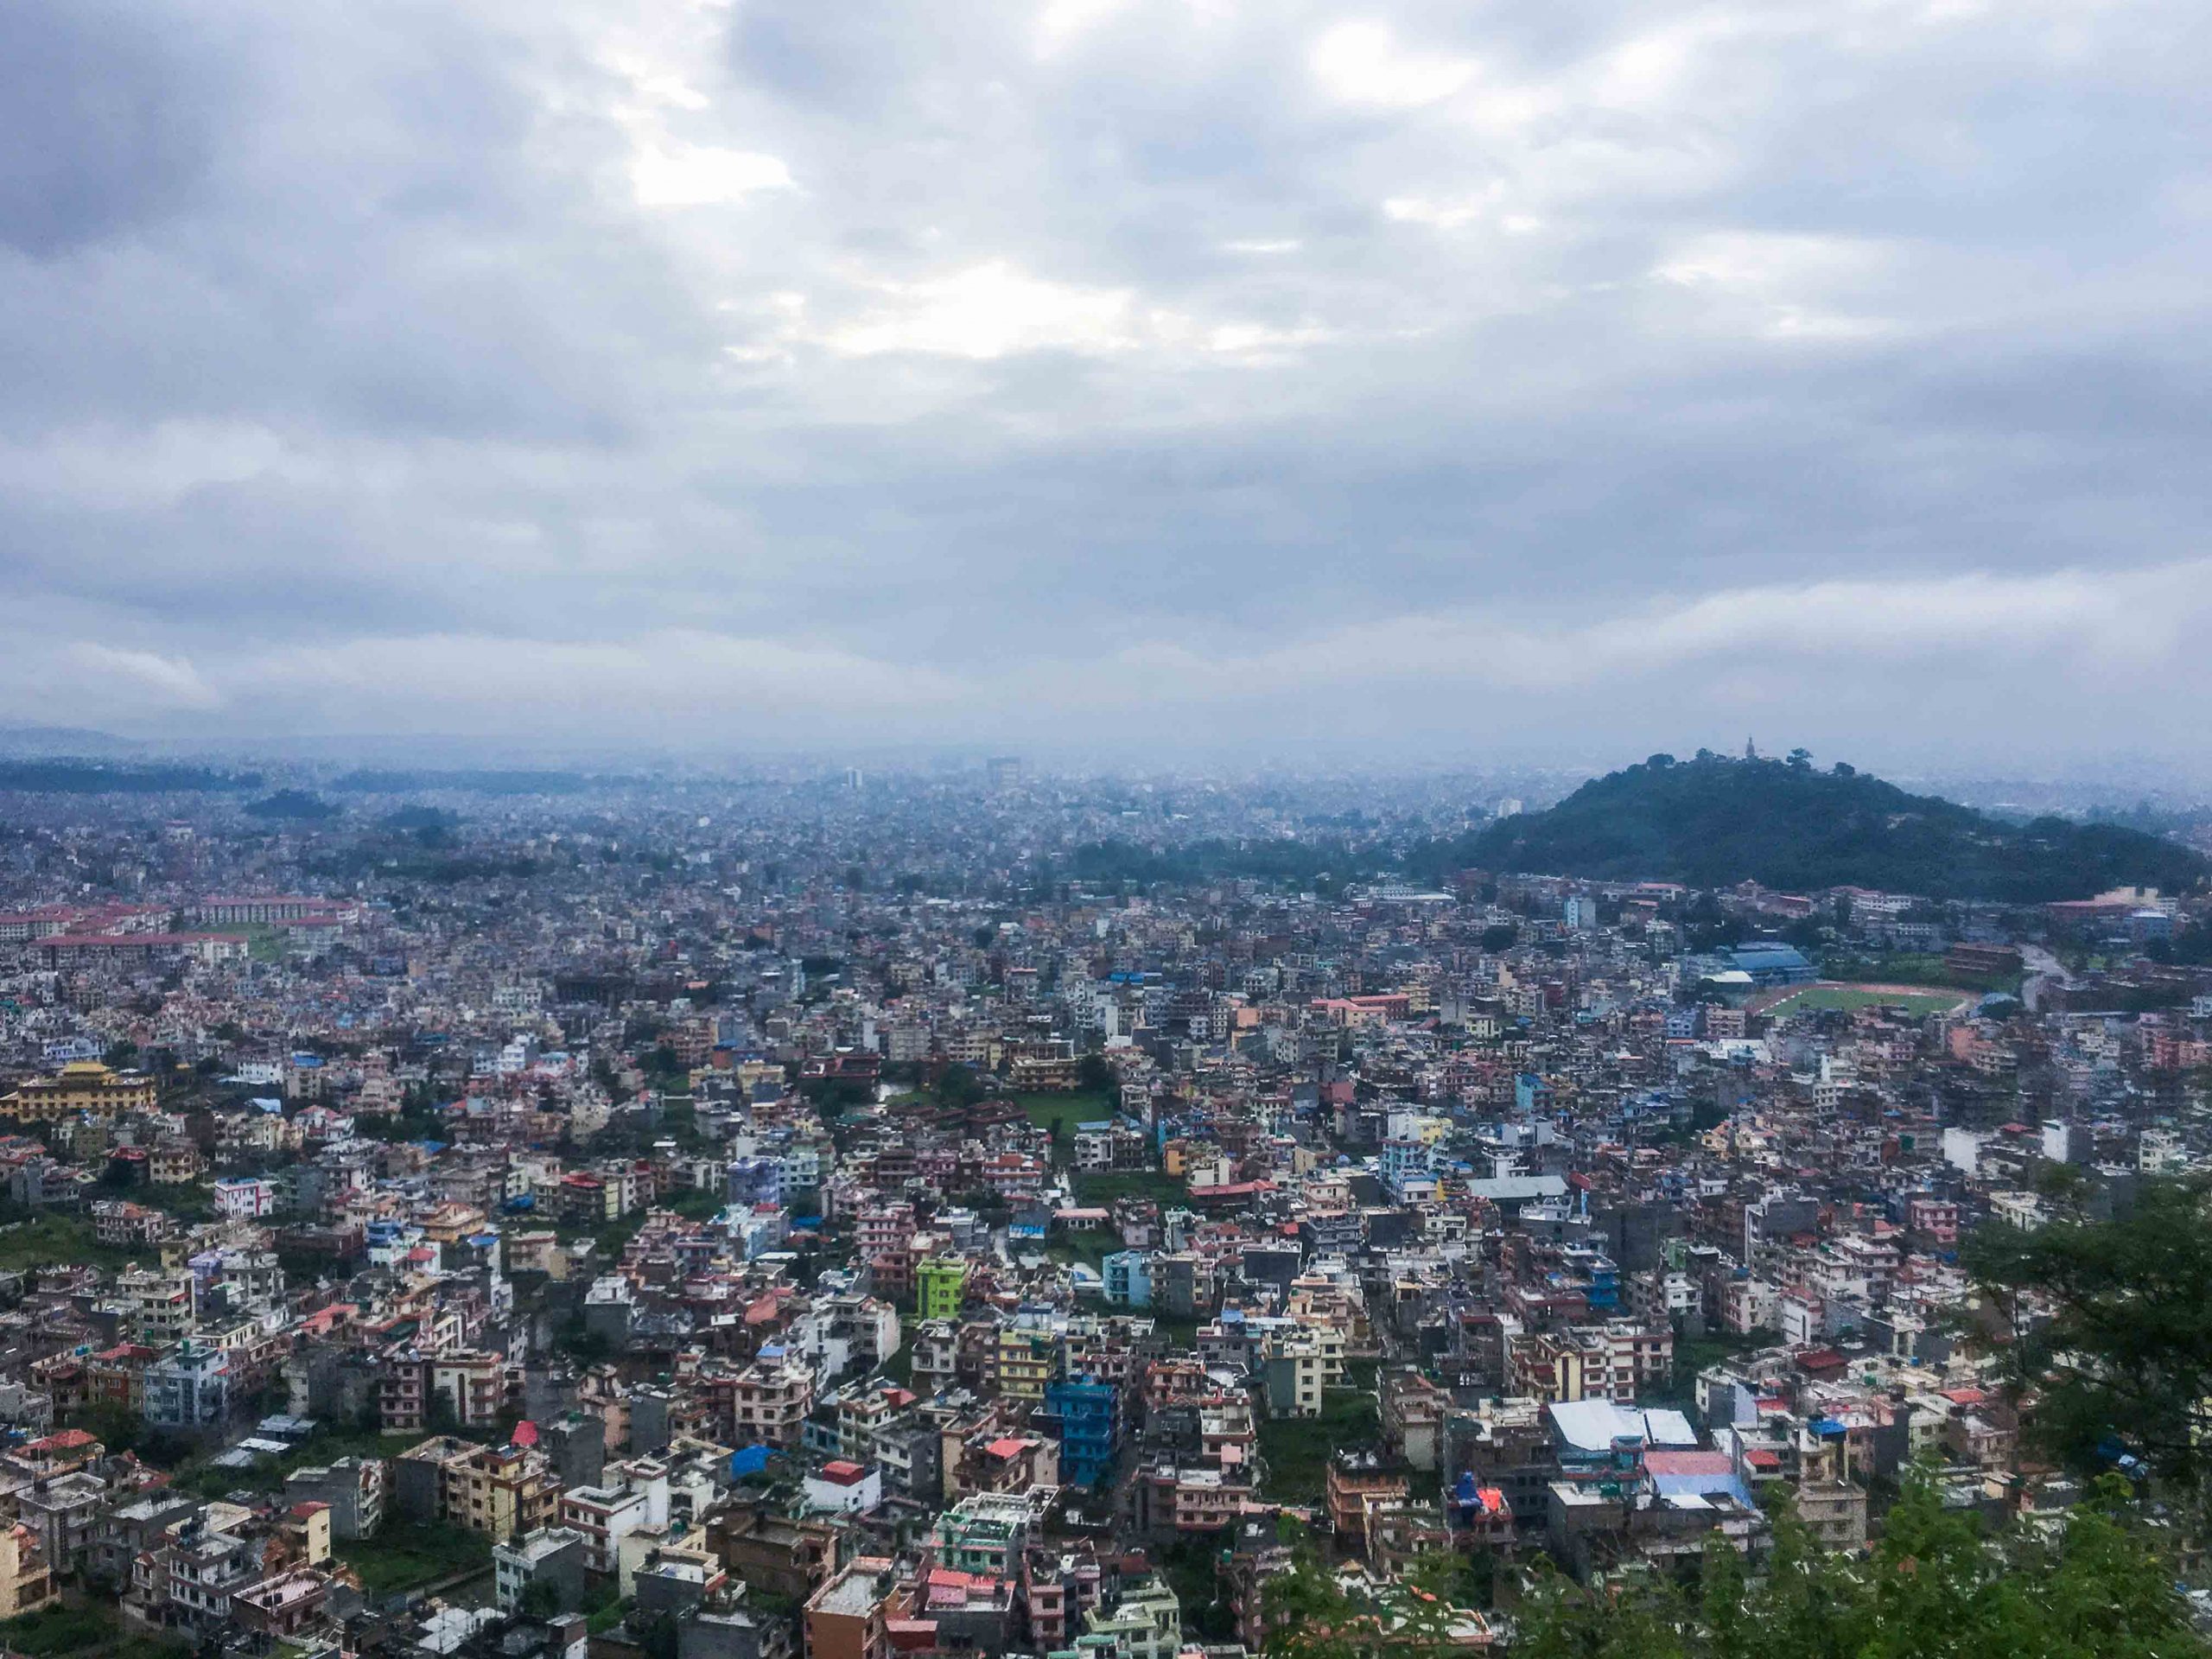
853,1217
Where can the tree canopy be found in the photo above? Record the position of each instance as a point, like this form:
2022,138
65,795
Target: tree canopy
2097,1585
1713,822
2110,1328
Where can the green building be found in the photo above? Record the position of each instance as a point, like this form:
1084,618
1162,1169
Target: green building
939,1283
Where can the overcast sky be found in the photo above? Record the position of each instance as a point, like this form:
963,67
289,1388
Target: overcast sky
1111,373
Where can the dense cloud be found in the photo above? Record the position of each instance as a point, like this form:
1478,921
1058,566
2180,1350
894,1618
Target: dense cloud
1109,373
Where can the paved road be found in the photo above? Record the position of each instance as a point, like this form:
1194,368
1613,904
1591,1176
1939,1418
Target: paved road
2043,969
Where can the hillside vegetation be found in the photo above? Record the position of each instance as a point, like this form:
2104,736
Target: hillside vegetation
1712,821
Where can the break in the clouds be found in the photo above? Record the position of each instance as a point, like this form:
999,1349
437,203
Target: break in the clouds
1151,372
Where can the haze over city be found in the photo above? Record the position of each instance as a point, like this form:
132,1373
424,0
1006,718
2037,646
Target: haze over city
1161,378
1105,829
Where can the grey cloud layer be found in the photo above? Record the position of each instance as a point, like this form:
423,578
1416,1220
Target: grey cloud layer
1395,374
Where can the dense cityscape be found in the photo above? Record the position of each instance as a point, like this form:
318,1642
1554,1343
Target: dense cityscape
976,1212
1105,829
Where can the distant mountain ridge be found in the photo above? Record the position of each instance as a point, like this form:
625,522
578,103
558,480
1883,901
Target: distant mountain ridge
63,741
1713,822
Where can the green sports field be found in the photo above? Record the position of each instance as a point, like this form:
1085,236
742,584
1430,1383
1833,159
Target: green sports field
1918,1001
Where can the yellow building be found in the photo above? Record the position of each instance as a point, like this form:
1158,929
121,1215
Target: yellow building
308,1527
501,1490
1025,1361
80,1086
26,1583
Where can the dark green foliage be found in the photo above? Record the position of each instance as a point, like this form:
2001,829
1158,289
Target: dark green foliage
91,1630
541,1598
98,777
291,805
1309,1616
1936,1584
834,1094
1714,821
31,1239
406,1553
2124,1361
959,1086
1304,863
1296,1449
479,783
2098,1587
1190,1566
430,826
1104,1186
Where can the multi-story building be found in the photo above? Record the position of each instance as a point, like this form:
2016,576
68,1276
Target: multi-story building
1088,1415
1026,1355
84,1086
551,1555
769,1401
351,1488
190,1582
939,1283
501,1490
245,1197
189,1388
1172,1499
1147,1624
473,1384
848,1618
160,1304
602,1516
26,1581
63,1514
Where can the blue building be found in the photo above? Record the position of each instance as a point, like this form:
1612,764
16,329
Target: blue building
1601,1276
189,1387
1128,1278
1769,962
1404,1158
1089,1412
756,1180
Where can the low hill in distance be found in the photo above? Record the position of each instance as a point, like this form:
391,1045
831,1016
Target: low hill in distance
1713,822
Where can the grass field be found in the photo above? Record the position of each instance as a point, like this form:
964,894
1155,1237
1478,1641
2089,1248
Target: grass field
1057,1115
403,1554
263,942
92,1628
1847,997
203,1479
49,1239
1091,1249
1296,1449
1106,1185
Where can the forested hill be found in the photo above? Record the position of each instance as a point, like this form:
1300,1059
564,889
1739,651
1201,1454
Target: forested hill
1712,821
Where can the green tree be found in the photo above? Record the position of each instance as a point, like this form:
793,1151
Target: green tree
2107,1325
959,1086
1936,1585
1307,1616
541,1598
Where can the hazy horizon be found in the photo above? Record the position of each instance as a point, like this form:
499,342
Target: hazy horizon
1540,773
